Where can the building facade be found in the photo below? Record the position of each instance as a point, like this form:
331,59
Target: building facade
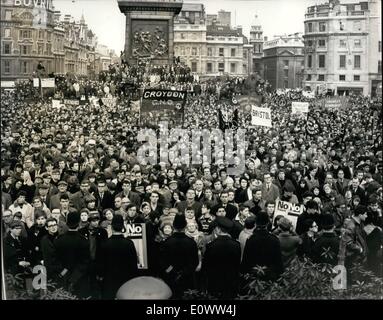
27,37
32,32
256,40
343,47
190,37
210,49
283,61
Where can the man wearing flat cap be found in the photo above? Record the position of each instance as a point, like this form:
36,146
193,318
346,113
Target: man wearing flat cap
221,261
55,199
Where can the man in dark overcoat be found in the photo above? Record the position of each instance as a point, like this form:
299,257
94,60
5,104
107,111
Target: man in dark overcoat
179,258
221,262
118,260
263,249
73,253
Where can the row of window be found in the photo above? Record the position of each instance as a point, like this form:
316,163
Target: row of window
24,67
220,67
342,61
221,52
321,77
27,49
322,26
27,34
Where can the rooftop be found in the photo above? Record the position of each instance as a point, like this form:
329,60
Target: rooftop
192,7
223,31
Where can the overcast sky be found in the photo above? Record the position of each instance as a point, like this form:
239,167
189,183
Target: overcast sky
276,16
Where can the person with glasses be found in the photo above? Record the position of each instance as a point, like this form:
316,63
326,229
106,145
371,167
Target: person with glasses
48,250
309,236
6,221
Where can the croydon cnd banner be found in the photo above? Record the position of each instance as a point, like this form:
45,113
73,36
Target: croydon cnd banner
162,105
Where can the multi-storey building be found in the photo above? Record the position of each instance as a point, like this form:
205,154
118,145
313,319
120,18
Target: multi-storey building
225,51
256,40
190,37
343,47
32,32
283,61
27,37
224,18
210,49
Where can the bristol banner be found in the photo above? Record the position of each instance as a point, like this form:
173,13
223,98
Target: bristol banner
162,105
261,117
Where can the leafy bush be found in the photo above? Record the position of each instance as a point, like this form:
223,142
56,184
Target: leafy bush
15,289
306,280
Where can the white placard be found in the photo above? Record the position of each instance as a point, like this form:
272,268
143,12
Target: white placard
288,210
299,107
261,116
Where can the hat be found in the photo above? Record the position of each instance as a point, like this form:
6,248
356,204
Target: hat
224,223
328,221
22,193
62,183
15,224
288,187
46,175
93,216
339,201
307,194
44,186
262,219
118,223
179,222
360,210
73,219
285,224
372,199
173,181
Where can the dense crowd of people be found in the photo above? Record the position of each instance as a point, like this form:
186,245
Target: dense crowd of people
71,183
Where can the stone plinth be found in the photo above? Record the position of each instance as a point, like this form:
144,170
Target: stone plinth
149,29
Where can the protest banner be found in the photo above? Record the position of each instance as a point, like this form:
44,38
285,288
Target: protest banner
299,107
109,102
261,116
70,102
162,105
137,233
288,210
335,103
313,126
48,83
36,82
56,104
8,84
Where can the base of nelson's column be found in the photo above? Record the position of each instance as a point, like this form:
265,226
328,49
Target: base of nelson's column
149,30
